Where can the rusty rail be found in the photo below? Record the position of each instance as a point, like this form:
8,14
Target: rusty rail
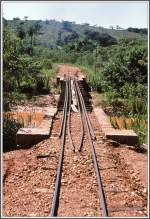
81,119
101,194
69,115
55,201
84,120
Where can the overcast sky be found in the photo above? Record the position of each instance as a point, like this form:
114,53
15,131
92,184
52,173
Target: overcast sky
124,14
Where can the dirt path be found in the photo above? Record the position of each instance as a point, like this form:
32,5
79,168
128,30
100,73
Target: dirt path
72,71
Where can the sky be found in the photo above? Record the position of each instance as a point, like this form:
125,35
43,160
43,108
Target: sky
124,14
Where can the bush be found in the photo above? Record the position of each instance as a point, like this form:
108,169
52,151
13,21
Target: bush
94,77
10,98
40,84
10,128
47,64
28,85
128,65
140,127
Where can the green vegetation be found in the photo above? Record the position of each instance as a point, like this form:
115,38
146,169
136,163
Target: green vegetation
123,82
52,31
10,128
27,69
115,62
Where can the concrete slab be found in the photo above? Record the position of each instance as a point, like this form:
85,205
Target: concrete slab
33,131
49,111
46,123
122,136
31,136
103,119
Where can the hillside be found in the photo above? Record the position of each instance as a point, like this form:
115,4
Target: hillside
50,30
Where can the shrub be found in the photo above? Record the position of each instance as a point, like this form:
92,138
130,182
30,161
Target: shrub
10,128
40,84
28,85
140,127
10,98
47,64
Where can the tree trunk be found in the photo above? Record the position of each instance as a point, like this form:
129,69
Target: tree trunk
31,40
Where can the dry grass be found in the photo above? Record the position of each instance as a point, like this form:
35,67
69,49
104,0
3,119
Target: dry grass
27,119
139,125
124,122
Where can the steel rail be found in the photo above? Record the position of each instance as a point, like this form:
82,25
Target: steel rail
103,205
88,120
55,201
62,121
69,115
81,119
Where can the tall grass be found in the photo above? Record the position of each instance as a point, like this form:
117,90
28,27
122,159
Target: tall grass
94,76
26,119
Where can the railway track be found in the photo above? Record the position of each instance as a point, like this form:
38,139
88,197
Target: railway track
77,142
80,174
65,182
84,121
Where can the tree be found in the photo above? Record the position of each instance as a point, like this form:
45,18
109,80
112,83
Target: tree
47,22
86,24
21,32
67,26
128,65
31,33
138,30
93,35
59,40
104,39
11,48
111,27
34,30
5,22
37,27
25,18
16,19
71,38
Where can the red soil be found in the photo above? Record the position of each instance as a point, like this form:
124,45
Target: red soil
69,70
